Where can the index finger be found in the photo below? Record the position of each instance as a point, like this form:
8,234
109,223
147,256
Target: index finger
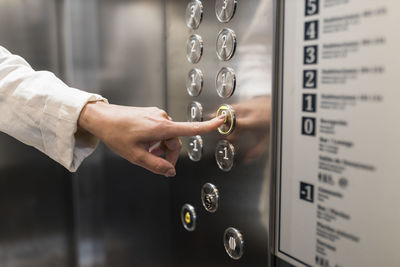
194,128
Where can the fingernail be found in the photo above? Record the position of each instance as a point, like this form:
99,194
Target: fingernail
221,117
171,173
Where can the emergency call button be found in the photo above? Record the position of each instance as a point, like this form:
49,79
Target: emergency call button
188,217
230,119
233,243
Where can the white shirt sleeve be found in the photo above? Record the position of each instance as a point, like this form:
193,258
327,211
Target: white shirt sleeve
39,110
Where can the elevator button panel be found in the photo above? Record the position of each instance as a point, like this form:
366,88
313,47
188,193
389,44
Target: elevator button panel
194,48
188,217
225,9
194,14
194,82
195,112
195,148
233,243
230,119
224,155
210,197
225,82
226,44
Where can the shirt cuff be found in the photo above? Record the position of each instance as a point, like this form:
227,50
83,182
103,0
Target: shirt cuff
61,139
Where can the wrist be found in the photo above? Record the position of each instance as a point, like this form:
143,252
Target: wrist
90,117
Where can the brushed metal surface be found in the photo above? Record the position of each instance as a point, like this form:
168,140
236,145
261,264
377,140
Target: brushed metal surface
36,225
244,191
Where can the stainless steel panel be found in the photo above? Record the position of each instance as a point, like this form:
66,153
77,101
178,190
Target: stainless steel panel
36,225
116,48
244,191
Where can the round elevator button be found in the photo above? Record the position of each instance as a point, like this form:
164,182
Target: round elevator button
225,9
195,148
188,217
226,44
224,155
210,197
233,243
225,82
230,119
194,14
194,48
195,112
194,82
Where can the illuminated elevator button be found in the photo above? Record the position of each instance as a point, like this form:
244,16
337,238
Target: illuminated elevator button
224,155
210,197
195,148
225,9
188,217
194,14
230,119
194,48
194,82
226,44
195,112
233,243
225,82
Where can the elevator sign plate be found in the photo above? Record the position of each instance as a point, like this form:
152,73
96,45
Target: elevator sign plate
338,175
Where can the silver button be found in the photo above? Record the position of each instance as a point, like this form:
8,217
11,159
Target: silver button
226,44
195,148
224,155
233,243
230,119
225,9
195,112
194,14
188,217
194,48
210,197
194,82
226,82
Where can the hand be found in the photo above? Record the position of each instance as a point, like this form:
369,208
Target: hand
141,135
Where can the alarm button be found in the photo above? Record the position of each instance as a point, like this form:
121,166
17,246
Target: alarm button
210,197
188,217
230,119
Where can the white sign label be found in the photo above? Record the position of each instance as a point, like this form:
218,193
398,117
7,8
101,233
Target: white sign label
339,173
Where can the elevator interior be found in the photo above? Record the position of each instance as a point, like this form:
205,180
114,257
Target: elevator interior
244,58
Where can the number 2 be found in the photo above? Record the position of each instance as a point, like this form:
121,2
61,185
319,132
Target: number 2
193,44
310,79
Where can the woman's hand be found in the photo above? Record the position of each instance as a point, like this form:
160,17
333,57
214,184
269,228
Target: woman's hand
142,135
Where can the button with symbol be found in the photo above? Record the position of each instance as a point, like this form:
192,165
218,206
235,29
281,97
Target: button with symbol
194,48
226,44
194,14
225,9
225,82
224,155
195,148
195,112
233,243
230,119
188,217
210,197
194,82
